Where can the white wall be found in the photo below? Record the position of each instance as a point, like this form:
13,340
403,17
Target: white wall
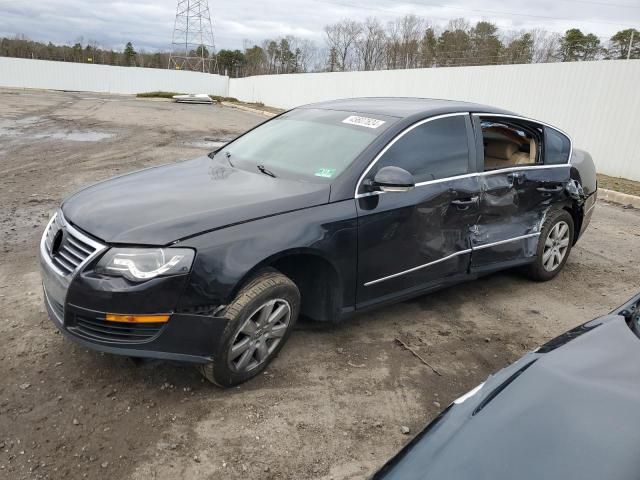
25,73
597,103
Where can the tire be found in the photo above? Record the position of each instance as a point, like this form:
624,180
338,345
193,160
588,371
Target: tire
251,341
549,262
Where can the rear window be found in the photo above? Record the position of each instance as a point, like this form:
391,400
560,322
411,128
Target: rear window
557,147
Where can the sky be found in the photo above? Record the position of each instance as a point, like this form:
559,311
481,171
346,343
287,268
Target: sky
148,24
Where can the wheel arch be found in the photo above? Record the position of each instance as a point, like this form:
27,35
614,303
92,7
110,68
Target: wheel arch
315,275
577,215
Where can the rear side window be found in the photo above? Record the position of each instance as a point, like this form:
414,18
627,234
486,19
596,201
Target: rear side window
557,147
433,150
510,143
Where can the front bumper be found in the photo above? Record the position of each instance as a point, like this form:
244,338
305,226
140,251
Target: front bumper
77,304
185,338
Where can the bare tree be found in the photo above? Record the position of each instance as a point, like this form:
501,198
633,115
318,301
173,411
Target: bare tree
370,45
545,46
342,38
411,30
306,52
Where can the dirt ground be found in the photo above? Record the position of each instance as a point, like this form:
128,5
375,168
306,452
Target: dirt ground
330,407
623,185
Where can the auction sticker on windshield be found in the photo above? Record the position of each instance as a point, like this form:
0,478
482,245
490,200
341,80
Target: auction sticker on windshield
363,121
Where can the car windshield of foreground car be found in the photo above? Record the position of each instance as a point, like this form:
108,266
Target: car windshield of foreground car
307,144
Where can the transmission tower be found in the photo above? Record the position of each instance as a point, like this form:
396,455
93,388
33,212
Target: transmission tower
192,42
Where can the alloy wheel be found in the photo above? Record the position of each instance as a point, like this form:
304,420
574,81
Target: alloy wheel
556,246
259,335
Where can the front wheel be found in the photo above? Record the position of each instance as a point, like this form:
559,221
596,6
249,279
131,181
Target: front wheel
261,318
554,246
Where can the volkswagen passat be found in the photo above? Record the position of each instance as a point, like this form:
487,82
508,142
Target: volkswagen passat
324,211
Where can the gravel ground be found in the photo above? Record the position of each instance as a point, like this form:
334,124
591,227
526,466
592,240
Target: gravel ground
335,402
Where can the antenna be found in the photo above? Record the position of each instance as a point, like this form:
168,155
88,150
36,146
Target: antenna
192,42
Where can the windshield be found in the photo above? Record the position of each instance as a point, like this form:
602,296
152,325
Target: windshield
307,144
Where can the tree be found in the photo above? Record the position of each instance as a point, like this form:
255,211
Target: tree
255,59
576,46
129,55
519,49
411,30
77,52
332,60
370,45
486,47
428,48
545,46
200,52
620,42
342,38
591,47
454,45
230,62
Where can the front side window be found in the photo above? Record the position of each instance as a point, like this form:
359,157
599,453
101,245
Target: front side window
436,149
312,145
508,143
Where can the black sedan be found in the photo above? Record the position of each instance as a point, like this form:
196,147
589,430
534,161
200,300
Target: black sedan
568,410
325,210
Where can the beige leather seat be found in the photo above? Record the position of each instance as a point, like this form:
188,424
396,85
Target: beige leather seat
497,154
501,154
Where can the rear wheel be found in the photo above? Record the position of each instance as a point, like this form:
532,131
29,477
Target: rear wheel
554,246
261,318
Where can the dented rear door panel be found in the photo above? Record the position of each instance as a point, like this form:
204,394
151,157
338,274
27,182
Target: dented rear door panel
513,206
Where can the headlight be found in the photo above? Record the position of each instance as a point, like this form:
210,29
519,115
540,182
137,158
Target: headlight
140,264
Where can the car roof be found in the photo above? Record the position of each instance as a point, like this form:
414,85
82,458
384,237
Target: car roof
403,107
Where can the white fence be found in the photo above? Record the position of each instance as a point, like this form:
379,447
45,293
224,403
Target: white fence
597,103
25,73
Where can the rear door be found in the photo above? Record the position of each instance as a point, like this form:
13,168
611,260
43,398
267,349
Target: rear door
409,241
518,189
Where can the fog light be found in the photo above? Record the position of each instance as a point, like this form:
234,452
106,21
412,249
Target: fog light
116,317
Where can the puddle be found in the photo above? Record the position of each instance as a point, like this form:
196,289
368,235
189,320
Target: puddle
76,136
204,144
8,124
22,128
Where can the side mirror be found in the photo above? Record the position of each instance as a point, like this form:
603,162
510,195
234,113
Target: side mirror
392,179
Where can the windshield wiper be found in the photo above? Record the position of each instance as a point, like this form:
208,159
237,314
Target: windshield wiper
264,170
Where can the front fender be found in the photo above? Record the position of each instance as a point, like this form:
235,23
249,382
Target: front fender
226,257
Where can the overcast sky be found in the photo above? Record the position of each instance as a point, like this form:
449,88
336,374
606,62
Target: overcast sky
149,23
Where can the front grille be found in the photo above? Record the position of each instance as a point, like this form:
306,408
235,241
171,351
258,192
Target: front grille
101,329
66,247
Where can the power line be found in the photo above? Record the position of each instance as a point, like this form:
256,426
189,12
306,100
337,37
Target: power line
484,12
618,5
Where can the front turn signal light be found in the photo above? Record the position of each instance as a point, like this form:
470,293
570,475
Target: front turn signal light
116,317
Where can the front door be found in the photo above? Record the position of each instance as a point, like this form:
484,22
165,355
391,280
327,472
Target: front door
411,241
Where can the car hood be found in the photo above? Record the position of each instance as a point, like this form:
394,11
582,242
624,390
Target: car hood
569,413
160,205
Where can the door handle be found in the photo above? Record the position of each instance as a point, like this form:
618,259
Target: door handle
556,189
515,177
464,203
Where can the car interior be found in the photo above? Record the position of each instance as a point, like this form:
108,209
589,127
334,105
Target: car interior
508,145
